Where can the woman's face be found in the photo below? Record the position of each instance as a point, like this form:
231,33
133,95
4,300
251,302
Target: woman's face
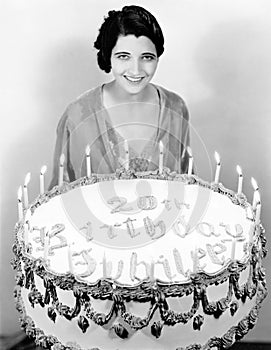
134,62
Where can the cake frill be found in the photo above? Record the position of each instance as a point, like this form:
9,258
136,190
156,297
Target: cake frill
155,293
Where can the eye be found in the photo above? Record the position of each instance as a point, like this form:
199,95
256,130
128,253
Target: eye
148,58
123,57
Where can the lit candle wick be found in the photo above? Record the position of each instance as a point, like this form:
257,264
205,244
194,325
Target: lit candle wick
88,161
26,182
240,179
218,166
126,148
191,160
42,172
256,195
61,169
258,212
20,204
161,157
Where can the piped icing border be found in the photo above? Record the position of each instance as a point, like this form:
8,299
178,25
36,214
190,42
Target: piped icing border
130,174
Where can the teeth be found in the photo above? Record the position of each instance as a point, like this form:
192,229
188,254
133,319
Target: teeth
134,79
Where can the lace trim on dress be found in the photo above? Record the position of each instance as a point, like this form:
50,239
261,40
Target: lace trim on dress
137,161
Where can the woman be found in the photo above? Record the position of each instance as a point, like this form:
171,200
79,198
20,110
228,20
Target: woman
129,107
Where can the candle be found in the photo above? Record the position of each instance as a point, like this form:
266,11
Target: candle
256,195
70,259
218,166
46,245
61,169
42,172
190,164
258,211
126,148
88,161
161,157
27,226
26,182
233,246
20,204
240,179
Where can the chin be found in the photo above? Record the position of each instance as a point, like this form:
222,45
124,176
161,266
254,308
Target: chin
134,90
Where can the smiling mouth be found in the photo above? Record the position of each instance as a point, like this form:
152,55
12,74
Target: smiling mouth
133,79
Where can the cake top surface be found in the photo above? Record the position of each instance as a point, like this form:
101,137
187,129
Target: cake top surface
132,230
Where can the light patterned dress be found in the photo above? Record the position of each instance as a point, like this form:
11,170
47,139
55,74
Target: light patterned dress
86,121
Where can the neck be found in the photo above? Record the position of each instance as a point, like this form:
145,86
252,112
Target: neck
121,96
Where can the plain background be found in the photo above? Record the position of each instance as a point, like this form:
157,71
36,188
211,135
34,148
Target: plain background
217,57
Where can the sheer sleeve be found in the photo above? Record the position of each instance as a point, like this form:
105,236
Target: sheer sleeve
62,146
179,134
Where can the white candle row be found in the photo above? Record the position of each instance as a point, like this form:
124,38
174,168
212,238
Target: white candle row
256,198
23,192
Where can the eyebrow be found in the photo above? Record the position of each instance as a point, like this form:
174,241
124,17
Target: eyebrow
121,52
128,53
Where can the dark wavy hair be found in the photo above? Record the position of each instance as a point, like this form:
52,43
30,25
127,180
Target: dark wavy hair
130,20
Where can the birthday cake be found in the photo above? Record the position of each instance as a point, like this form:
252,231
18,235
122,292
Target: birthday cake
139,261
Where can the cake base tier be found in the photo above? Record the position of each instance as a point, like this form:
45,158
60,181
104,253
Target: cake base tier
203,329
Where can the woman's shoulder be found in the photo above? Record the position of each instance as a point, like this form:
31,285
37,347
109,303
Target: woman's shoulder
85,105
171,99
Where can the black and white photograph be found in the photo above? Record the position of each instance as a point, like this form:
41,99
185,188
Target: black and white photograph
135,175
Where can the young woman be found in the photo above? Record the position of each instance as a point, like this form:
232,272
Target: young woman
127,110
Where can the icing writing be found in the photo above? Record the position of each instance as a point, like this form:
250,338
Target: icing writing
206,229
166,267
150,267
178,262
147,202
196,255
56,229
238,231
140,269
182,228
213,253
107,269
176,227
150,228
144,203
130,227
110,231
120,203
52,234
154,230
87,260
88,234
134,264
62,243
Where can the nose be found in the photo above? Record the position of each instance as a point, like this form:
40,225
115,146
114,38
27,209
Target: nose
135,67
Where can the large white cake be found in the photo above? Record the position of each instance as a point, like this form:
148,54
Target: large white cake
139,261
